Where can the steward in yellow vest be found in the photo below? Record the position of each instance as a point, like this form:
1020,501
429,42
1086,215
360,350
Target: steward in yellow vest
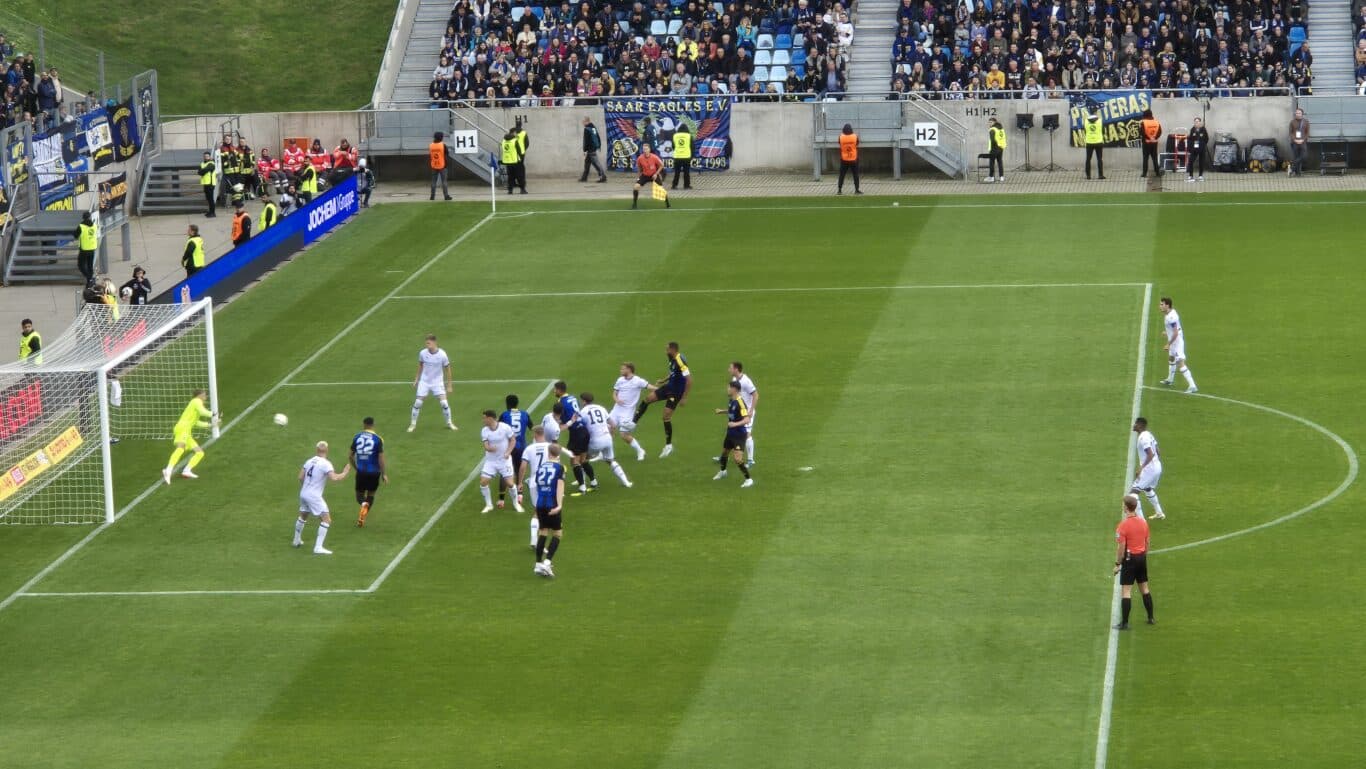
193,258
30,343
1095,142
683,157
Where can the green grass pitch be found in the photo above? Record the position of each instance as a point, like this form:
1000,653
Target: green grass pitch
919,577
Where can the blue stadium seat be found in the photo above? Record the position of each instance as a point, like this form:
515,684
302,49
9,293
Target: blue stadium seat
1297,34
777,73
799,41
800,70
784,27
760,74
703,87
784,41
782,57
798,56
624,27
659,29
675,25
598,58
779,84
538,12
764,41
518,13
766,25
763,58
543,43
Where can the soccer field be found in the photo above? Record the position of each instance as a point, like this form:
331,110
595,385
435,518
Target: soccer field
919,578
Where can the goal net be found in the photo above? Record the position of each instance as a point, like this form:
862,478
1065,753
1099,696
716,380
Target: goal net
107,379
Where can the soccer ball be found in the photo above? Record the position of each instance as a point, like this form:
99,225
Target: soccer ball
281,420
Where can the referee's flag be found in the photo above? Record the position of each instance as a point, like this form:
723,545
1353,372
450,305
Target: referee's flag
658,192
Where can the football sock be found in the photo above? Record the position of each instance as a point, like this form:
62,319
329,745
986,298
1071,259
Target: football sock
589,471
638,446
1190,380
540,548
635,196
1125,604
669,432
1152,499
1148,604
364,510
749,449
640,410
195,459
322,534
417,406
488,495
1171,371
502,493
725,457
578,474
550,551
535,529
620,473
446,409
744,468
298,527
175,457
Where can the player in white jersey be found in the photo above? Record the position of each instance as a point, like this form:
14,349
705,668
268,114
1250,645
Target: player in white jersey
499,439
626,394
750,395
1149,470
535,455
1175,346
600,435
433,366
550,423
313,478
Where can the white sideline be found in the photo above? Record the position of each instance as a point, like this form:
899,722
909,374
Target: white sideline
409,382
918,206
441,511
47,570
137,593
1353,468
791,290
1107,695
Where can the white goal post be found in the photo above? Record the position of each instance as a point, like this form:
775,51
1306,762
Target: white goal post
117,374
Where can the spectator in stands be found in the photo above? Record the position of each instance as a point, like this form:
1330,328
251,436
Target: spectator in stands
294,159
271,172
844,31
1299,143
193,257
47,97
138,289
6,50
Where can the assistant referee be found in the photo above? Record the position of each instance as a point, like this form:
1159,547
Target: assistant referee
1131,560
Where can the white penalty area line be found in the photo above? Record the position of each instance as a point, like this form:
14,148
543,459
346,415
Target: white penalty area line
51,567
409,383
1353,469
772,290
373,586
1107,695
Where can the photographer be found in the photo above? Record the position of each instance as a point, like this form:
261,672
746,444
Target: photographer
137,290
1196,141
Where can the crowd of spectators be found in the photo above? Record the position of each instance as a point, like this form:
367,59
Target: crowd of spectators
1359,53
562,54
35,97
1044,48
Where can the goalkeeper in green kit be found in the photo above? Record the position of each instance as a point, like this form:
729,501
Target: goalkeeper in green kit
196,414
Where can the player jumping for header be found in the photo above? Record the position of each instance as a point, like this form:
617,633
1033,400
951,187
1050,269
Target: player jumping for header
673,390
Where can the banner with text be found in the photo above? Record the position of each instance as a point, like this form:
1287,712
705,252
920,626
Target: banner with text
127,141
47,160
1120,113
114,192
99,142
631,122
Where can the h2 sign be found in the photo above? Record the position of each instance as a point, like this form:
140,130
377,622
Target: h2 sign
926,134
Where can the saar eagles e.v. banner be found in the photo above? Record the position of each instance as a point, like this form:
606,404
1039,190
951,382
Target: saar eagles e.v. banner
707,119
1120,113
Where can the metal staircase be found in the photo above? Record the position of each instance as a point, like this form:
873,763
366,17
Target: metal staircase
870,67
408,132
43,249
422,53
170,184
1332,38
893,124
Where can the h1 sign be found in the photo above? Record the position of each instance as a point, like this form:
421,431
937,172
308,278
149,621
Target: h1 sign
465,142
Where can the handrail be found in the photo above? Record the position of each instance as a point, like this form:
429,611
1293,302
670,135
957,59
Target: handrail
943,116
1055,94
402,18
532,102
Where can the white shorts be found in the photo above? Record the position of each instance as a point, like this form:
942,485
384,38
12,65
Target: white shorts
500,466
624,420
601,446
1149,478
1177,351
427,388
313,506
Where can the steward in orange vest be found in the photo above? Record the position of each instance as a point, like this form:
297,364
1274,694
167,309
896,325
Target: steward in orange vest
848,158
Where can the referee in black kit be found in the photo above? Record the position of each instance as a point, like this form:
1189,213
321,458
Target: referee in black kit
1131,560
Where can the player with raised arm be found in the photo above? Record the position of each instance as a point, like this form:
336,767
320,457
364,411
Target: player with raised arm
313,478
600,435
737,420
532,458
549,503
1175,346
570,420
196,414
520,422
432,366
625,396
673,390
1149,470
498,441
367,456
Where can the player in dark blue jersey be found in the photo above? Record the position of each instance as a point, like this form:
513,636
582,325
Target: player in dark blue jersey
520,422
367,456
737,430
578,439
549,493
673,390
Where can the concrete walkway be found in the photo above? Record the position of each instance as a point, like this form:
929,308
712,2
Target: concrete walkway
158,241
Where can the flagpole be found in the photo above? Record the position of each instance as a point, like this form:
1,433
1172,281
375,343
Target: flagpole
493,182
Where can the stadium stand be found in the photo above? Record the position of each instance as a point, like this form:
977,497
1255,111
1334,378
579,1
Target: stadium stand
534,55
986,49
